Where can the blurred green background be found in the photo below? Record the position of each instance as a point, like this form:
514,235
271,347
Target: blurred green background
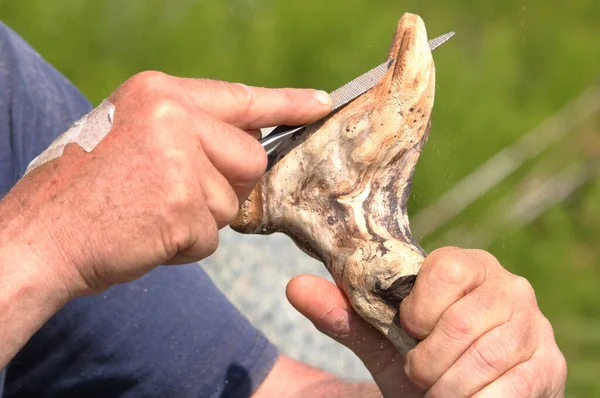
517,85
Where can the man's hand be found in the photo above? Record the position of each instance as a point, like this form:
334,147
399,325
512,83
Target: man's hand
172,171
482,333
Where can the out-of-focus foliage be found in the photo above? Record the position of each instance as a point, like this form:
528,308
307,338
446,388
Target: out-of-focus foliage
511,65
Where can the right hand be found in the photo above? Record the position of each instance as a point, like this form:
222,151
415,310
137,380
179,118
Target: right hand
481,331
172,171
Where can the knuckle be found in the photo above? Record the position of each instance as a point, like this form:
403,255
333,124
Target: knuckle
560,364
288,96
414,325
556,364
257,160
148,81
523,290
174,239
491,356
230,208
521,384
255,164
547,330
447,267
178,198
244,96
243,92
446,250
211,240
413,318
409,318
484,257
176,178
205,232
459,322
165,109
417,371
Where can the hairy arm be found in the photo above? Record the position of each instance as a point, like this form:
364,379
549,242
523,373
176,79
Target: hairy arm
29,293
25,305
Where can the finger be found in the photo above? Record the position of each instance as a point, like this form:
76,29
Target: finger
250,107
234,153
523,380
328,309
529,379
457,329
254,133
544,375
447,275
201,236
488,358
189,229
209,204
203,239
218,195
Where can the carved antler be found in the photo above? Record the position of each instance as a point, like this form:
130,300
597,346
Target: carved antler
340,190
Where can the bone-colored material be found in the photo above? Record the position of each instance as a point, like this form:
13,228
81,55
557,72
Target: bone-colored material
340,189
87,132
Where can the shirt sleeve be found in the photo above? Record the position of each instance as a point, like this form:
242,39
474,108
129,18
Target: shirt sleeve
169,334
37,104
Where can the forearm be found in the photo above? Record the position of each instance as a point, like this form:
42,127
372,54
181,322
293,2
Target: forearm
29,293
26,303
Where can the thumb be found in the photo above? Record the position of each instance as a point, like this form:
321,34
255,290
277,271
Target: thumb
326,306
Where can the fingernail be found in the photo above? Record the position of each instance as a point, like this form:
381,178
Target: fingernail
336,322
323,97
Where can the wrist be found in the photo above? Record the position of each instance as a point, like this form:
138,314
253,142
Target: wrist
28,258
28,299
23,274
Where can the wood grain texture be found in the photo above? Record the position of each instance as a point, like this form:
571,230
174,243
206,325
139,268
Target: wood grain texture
340,189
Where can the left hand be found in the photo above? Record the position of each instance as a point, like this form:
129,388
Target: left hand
482,333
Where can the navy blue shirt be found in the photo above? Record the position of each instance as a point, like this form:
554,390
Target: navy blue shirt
169,334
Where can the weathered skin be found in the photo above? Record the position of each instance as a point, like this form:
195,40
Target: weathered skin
340,190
